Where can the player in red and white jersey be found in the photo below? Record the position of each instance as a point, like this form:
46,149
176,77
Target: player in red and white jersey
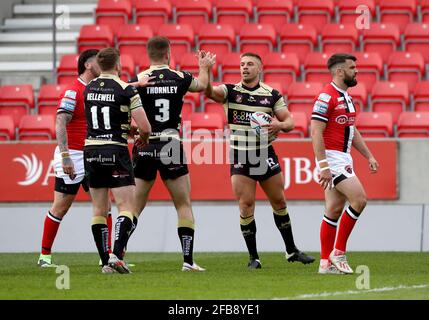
333,134
68,155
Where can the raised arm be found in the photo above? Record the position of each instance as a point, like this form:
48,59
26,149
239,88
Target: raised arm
206,61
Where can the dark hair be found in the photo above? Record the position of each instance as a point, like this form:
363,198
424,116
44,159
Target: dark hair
157,48
83,58
339,58
253,55
108,58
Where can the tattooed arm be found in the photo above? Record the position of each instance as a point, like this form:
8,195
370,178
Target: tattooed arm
63,119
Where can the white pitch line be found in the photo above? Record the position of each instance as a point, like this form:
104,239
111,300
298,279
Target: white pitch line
351,292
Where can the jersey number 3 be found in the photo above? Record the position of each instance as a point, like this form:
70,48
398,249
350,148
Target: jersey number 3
164,108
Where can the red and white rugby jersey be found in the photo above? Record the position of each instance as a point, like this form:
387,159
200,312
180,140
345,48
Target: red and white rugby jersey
72,102
335,107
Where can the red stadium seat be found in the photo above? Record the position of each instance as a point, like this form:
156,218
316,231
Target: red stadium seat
398,12
144,63
407,67
94,37
277,86
347,10
204,124
128,67
233,12
301,95
421,96
7,128
181,38
381,38
194,99
413,125
189,62
132,39
316,69
375,124
37,127
213,107
67,70
274,12
315,12
299,39
424,9
416,39
193,12
16,101
359,95
231,68
113,13
339,38
300,130
281,67
48,99
153,12
216,38
390,97
187,109
370,68
257,38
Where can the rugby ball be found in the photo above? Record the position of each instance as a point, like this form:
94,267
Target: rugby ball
257,120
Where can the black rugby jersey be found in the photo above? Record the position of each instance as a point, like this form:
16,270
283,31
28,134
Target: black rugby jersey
163,101
108,105
240,103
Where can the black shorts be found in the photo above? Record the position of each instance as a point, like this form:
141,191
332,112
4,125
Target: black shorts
61,186
258,165
108,166
166,157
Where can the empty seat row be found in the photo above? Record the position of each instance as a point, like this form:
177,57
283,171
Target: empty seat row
261,38
277,12
370,124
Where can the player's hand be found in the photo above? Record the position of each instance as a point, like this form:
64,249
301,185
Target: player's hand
140,143
206,59
274,127
68,167
373,165
325,179
143,82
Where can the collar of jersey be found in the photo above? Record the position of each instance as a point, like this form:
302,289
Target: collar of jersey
159,66
250,89
338,89
108,76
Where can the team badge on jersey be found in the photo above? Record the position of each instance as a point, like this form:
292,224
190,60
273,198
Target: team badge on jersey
239,98
324,97
320,107
70,94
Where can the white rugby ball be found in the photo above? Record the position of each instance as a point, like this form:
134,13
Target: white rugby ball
258,119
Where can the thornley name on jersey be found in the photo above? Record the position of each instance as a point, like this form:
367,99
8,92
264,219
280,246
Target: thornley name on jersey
100,97
160,90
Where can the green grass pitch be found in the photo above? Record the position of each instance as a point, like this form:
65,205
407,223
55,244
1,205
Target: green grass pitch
157,276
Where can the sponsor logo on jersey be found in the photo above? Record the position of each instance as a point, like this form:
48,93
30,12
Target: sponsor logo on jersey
349,169
70,94
340,99
251,99
340,106
324,97
343,119
264,101
68,104
33,169
241,117
239,98
320,107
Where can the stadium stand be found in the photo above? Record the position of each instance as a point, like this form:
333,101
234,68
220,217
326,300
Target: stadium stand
233,12
94,37
399,12
299,39
113,13
257,38
132,39
347,10
339,38
381,38
300,130
375,124
315,68
421,96
153,12
181,38
406,67
315,12
218,38
390,97
67,70
300,96
416,39
16,101
281,67
193,12
47,101
274,12
413,124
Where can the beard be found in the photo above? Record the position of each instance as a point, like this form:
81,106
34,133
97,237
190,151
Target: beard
95,72
350,82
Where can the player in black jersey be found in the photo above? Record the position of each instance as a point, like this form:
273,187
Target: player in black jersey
109,105
253,158
163,103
